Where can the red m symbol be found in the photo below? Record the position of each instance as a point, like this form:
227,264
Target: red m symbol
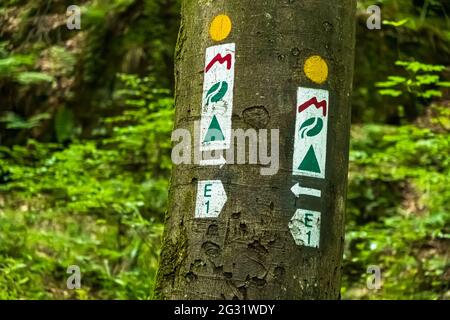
313,102
221,60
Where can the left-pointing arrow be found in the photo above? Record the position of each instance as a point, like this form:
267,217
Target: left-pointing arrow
297,190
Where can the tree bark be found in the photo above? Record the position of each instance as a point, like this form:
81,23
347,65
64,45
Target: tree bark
248,251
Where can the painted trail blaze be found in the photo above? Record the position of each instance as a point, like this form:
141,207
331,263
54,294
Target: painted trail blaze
216,92
313,102
311,126
217,100
309,162
305,228
211,198
220,27
214,132
221,60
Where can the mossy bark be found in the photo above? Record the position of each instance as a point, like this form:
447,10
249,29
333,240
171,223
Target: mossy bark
248,252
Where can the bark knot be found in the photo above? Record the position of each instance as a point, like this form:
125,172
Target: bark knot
256,116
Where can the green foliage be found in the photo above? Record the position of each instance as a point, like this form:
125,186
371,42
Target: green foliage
33,77
64,124
401,219
16,66
10,64
398,216
395,23
414,32
14,121
421,81
62,61
94,194
98,205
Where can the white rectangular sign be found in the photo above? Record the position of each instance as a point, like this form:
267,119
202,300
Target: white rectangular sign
211,198
305,228
311,126
217,101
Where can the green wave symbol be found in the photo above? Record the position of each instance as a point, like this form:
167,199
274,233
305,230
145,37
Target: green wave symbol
305,128
216,92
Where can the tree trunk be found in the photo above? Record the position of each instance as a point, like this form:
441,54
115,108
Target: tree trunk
292,71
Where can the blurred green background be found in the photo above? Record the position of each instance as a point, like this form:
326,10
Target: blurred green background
85,123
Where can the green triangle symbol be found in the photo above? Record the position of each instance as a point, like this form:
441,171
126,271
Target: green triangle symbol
214,132
310,163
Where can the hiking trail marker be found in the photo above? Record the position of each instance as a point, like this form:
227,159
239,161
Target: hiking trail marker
211,198
220,27
297,190
305,228
216,112
316,69
310,155
311,126
214,162
217,101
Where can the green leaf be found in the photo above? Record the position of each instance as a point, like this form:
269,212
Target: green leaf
427,79
390,92
15,121
12,63
36,119
64,124
415,66
431,94
397,79
392,82
33,77
395,23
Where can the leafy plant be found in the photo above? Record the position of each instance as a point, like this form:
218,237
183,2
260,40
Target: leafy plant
14,121
98,205
17,67
422,81
401,220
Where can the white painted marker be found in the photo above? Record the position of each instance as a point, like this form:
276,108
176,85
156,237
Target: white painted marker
217,101
305,228
214,162
297,190
211,198
311,127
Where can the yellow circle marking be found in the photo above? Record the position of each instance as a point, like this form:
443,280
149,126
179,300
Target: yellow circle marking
220,27
316,69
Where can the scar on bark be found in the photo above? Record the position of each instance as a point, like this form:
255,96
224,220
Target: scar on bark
213,230
257,116
211,249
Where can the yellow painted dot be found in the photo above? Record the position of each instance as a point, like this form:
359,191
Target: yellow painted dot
220,28
316,69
